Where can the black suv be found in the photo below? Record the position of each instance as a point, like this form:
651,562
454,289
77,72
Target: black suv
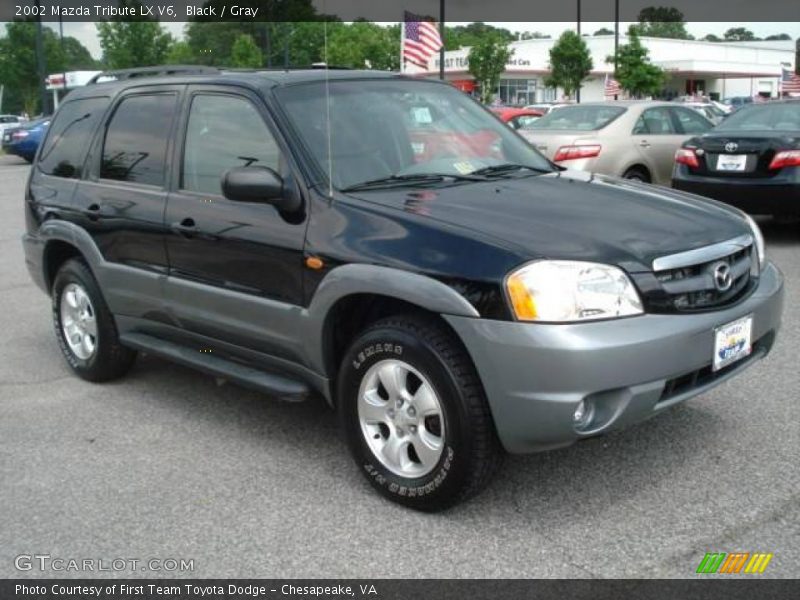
387,243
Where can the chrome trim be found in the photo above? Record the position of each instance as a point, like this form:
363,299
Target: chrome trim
702,255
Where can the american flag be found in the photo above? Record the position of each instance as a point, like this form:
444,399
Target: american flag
421,40
790,82
612,87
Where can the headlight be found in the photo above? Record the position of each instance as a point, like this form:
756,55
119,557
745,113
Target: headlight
566,290
759,238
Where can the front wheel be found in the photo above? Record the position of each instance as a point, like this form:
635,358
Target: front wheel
415,414
85,328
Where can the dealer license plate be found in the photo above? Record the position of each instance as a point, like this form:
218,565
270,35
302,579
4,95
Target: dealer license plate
732,342
731,162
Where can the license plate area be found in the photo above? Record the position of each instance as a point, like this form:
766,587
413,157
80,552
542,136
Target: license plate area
732,162
732,342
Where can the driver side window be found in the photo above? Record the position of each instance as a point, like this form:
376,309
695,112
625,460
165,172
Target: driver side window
224,132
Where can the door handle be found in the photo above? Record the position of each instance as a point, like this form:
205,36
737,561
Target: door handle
185,227
644,144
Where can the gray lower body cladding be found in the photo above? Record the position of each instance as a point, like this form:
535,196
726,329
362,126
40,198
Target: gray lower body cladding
535,375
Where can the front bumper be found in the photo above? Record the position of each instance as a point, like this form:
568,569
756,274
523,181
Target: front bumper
536,374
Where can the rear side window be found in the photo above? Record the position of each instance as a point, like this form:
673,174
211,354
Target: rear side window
578,118
135,147
691,122
70,134
655,121
224,132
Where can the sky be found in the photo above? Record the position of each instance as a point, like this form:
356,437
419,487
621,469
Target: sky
86,33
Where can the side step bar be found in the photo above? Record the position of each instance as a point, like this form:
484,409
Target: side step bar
281,386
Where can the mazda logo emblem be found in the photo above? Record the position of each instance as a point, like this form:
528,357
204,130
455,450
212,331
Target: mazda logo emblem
731,147
723,278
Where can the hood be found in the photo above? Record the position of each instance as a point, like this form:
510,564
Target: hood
574,215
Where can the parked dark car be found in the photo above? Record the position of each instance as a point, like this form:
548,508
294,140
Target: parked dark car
751,160
23,141
387,243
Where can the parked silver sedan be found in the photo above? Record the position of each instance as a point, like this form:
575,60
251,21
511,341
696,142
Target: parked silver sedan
630,139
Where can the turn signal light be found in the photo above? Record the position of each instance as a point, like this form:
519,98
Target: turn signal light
575,152
687,156
785,158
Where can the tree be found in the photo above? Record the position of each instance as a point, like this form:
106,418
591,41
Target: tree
362,44
739,34
661,21
712,38
533,35
603,31
779,37
18,68
570,63
466,36
487,61
634,71
133,41
180,53
244,53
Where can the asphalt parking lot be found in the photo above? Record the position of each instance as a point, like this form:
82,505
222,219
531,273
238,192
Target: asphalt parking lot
167,464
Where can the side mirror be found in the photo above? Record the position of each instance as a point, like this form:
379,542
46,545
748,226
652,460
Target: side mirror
258,184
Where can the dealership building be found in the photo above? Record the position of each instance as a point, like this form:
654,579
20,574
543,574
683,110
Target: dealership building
716,69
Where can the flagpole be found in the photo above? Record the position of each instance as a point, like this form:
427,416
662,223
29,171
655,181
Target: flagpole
402,43
616,38
441,35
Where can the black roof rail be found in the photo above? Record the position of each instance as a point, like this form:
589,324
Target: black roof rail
161,70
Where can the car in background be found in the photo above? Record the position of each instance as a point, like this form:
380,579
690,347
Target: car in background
24,141
750,161
10,122
546,107
633,139
709,110
517,118
738,102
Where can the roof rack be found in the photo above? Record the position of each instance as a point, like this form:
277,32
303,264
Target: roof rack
162,70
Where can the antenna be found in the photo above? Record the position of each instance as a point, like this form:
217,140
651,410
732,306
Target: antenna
328,106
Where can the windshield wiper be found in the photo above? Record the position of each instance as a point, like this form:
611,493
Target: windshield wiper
507,168
409,180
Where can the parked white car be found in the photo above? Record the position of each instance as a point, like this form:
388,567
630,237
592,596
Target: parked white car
8,122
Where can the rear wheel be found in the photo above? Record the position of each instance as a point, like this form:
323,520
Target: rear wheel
415,414
84,326
637,174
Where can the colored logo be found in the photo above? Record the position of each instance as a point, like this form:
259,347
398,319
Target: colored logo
734,563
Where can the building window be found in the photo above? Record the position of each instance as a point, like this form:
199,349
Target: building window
517,91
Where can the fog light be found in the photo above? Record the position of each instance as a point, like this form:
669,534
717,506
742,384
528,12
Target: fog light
583,414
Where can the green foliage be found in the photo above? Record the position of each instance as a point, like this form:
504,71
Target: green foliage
604,31
533,35
18,68
180,53
739,34
363,45
245,53
487,61
570,63
784,37
466,36
661,21
634,71
712,38
133,41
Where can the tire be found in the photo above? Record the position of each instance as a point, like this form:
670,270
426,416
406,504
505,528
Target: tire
637,174
79,308
455,421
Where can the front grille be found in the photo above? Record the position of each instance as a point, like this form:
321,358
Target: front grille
693,287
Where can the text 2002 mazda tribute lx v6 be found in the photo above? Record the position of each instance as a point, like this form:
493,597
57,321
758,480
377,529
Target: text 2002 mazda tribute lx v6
388,243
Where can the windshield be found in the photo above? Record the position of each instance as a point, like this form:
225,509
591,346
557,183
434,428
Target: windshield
579,118
764,117
397,128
